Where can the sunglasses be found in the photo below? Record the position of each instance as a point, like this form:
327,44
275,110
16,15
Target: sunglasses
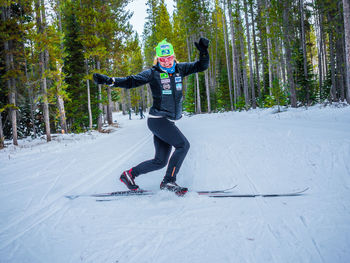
166,59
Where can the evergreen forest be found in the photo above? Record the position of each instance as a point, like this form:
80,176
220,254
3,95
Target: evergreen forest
263,53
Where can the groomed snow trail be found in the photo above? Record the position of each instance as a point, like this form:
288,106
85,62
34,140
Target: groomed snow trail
260,151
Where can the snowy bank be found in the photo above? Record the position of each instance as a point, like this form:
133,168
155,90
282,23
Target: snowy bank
260,150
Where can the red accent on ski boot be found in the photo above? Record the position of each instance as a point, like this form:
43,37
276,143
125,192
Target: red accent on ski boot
128,179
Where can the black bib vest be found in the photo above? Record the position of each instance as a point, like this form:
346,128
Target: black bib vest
167,94
166,88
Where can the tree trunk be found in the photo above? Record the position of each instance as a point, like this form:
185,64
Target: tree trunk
45,100
206,77
262,36
100,107
303,43
128,101
45,66
244,64
184,88
340,63
206,80
199,106
216,66
287,41
188,48
40,17
60,104
255,51
32,110
109,106
320,73
116,106
234,100
251,75
149,96
2,138
105,112
346,11
311,55
11,82
332,60
28,85
143,97
13,114
88,94
123,95
323,49
281,60
30,91
319,53
269,46
60,100
196,85
211,71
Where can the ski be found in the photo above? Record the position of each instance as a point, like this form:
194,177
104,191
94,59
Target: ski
116,193
229,194
223,195
143,192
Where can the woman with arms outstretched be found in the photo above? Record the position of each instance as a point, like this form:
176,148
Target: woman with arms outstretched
165,79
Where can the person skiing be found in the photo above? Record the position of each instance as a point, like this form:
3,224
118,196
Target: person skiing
141,112
129,112
165,79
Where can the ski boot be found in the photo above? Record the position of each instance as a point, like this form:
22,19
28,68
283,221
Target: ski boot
128,179
173,187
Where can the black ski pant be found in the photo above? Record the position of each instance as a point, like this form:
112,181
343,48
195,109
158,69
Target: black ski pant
166,136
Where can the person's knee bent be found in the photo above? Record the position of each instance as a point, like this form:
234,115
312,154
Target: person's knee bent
160,163
187,145
184,146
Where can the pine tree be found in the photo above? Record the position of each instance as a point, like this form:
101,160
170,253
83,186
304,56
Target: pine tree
228,54
134,64
157,28
287,40
9,39
74,69
44,61
251,79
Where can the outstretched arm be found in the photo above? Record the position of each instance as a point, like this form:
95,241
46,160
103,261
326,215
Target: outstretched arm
201,64
128,82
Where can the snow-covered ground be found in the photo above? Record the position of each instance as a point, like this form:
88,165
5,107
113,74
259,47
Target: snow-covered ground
260,151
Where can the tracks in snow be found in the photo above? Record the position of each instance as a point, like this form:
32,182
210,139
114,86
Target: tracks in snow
268,224
56,202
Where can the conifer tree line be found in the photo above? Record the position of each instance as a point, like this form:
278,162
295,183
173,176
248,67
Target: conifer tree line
262,53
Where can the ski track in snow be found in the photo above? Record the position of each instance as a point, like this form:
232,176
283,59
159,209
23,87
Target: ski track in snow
49,208
263,208
259,151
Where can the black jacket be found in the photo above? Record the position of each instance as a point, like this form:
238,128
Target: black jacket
166,88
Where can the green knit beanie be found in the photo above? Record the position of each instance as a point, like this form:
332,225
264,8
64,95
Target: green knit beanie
164,49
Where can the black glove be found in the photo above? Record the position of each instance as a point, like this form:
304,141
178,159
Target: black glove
202,45
102,79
